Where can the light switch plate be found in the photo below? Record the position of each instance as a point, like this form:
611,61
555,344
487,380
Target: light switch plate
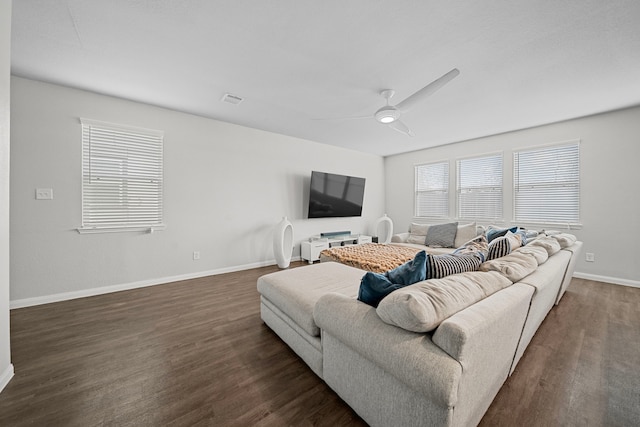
44,193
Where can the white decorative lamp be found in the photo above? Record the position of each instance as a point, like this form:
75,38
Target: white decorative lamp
283,243
383,229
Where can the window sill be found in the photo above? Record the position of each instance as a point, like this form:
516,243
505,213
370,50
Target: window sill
121,229
549,226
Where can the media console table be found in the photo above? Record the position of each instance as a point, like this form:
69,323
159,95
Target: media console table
310,250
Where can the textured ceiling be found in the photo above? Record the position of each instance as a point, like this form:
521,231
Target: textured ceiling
522,63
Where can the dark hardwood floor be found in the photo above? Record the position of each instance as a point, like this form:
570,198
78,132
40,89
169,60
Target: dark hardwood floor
195,353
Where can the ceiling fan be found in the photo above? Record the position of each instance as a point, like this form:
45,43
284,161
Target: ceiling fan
390,114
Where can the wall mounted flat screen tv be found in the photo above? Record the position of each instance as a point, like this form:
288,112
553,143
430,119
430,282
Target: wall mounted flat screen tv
333,195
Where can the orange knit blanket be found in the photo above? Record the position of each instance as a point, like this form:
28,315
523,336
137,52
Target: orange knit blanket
371,256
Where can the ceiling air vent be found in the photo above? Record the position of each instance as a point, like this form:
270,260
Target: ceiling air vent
232,99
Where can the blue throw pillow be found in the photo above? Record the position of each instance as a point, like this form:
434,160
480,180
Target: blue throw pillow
374,287
494,233
410,272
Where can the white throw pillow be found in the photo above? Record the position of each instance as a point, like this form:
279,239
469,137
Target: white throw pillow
515,240
550,244
418,233
538,252
565,239
465,233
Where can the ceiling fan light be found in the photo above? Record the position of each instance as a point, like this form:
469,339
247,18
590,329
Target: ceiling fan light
387,115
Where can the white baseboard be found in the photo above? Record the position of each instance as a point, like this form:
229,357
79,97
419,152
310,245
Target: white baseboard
607,279
6,376
28,302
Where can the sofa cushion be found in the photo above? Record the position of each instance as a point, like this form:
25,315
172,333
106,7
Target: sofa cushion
421,307
442,235
375,286
514,266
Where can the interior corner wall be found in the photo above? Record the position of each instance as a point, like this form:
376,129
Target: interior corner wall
6,368
225,189
609,173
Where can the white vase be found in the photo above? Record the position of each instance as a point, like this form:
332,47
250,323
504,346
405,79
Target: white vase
383,229
283,243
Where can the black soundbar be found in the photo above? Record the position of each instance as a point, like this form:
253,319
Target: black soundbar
335,233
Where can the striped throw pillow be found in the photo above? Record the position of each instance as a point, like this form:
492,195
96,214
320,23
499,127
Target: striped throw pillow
498,248
439,266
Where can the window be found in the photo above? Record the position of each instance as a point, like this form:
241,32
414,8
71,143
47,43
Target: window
479,188
121,177
546,184
432,190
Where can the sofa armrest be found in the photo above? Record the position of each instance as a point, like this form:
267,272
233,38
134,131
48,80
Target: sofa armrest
492,325
484,338
400,238
576,250
410,357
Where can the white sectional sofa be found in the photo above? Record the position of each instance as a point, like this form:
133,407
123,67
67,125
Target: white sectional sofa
390,375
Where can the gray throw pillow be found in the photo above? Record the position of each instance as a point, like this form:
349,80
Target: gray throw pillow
442,235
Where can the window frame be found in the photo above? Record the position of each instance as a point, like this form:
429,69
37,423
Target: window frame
446,190
574,222
122,178
498,206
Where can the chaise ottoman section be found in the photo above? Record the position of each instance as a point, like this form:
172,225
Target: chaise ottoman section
289,296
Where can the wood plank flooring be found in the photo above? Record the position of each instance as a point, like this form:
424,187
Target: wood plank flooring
582,367
195,353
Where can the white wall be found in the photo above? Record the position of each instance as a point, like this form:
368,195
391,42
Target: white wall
610,205
226,187
6,368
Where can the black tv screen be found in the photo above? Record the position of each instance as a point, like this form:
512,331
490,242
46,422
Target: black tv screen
333,195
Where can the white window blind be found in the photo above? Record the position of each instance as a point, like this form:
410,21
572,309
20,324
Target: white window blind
121,177
432,190
479,188
547,184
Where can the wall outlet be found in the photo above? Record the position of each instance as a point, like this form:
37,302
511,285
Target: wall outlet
44,193
196,255
590,257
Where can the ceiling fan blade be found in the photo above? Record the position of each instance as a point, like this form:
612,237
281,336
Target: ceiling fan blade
344,118
401,127
417,97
